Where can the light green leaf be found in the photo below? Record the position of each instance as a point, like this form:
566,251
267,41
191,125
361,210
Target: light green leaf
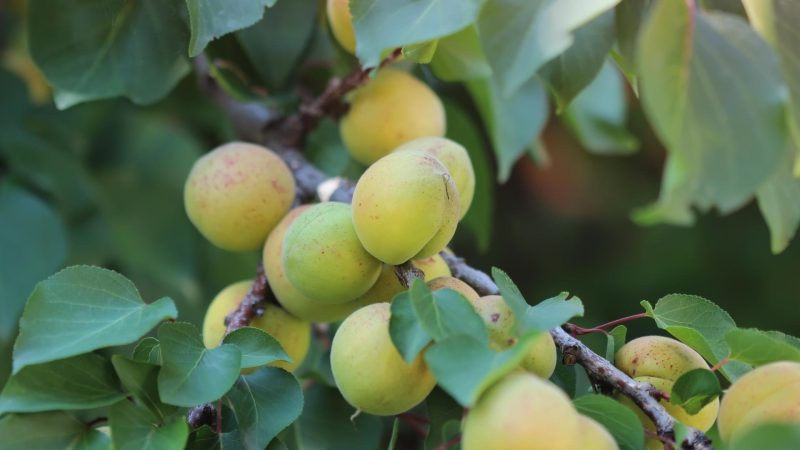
210,19
325,423
81,309
459,57
618,419
81,382
628,18
551,313
511,295
49,431
769,435
779,202
695,389
191,374
407,334
134,427
421,53
258,348
615,340
108,48
445,312
148,350
757,347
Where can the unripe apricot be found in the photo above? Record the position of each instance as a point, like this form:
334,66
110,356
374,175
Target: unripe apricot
393,108
433,267
341,22
456,285
770,393
522,412
455,158
595,436
405,206
237,193
323,257
369,371
499,320
293,334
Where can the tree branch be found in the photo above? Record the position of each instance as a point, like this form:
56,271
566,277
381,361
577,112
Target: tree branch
286,135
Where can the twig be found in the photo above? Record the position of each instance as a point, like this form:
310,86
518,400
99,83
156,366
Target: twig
252,305
406,273
580,331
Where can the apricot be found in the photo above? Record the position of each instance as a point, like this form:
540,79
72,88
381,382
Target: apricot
595,436
456,285
293,334
660,361
323,258
368,370
405,206
433,267
522,412
499,320
391,109
770,393
237,193
341,22
455,158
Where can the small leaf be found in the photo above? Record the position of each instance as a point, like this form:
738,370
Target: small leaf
421,53
618,419
81,309
141,380
614,340
81,382
757,347
210,19
407,334
135,428
511,294
191,374
445,313
768,435
55,430
695,389
258,347
551,313
325,423
148,350
459,57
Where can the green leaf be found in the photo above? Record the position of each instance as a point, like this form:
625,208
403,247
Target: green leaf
135,428
407,334
258,347
769,435
459,57
598,115
443,412
55,430
34,243
325,423
81,309
210,19
519,36
778,202
81,382
445,313
570,72
191,374
614,340
713,91
511,294
551,313
629,15
148,350
421,53
465,367
276,44
387,24
757,347
513,122
264,403
695,389
108,48
618,419
140,379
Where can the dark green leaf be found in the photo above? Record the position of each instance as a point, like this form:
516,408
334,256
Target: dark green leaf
49,431
618,419
695,389
141,380
614,340
629,15
768,436
511,294
190,373
442,412
108,48
757,347
407,334
459,57
134,427
325,423
81,382
81,309
551,313
258,348
210,19
148,350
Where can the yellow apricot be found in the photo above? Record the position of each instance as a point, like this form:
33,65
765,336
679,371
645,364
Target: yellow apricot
237,193
455,158
770,393
433,267
393,108
369,371
293,334
323,258
595,436
499,320
456,285
341,22
405,206
522,412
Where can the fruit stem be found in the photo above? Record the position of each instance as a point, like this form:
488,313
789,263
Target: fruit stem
721,363
580,331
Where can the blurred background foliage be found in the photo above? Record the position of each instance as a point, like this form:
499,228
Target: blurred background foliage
101,183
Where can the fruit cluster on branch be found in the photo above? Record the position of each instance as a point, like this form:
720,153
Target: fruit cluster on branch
285,136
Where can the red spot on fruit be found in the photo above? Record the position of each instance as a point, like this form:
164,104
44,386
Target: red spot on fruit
495,317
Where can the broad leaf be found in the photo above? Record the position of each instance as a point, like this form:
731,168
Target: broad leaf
551,313
140,379
81,309
445,312
511,294
407,334
134,427
190,373
49,431
108,48
618,419
148,350
757,347
325,423
778,202
695,389
459,57
210,19
629,15
81,382
258,348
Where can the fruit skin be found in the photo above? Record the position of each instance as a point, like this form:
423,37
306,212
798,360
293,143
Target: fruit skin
393,108
594,436
433,266
323,258
237,193
368,369
405,206
455,158
660,361
499,320
293,334
341,22
770,393
522,412
456,285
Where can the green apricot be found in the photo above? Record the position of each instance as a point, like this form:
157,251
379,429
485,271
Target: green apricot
405,206
323,258
595,436
369,371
